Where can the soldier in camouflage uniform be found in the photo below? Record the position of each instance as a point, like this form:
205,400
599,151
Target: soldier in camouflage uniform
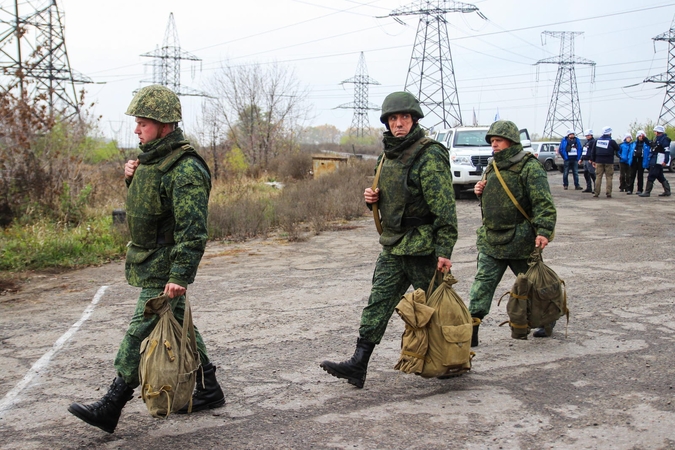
506,238
167,205
417,204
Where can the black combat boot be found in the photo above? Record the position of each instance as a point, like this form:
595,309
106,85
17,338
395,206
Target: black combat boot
666,189
474,334
545,331
105,413
208,394
648,189
353,370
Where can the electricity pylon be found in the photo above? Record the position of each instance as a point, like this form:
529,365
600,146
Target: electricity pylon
166,62
431,74
360,124
34,59
667,115
564,111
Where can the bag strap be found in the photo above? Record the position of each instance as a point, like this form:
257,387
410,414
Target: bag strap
188,331
376,181
437,276
508,192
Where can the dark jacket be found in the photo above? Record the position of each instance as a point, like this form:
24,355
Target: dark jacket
586,151
661,145
604,150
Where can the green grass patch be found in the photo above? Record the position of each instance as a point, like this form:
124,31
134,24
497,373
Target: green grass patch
45,244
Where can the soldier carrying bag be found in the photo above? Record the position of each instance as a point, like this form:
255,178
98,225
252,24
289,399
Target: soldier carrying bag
538,297
169,360
437,337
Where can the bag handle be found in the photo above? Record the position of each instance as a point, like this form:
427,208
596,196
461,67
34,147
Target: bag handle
376,181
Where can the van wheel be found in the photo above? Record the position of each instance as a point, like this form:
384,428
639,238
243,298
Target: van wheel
548,165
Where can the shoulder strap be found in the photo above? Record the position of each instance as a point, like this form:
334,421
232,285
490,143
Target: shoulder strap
376,181
508,192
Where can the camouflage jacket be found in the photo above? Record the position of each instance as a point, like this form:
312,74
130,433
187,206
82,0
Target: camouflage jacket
167,208
505,233
429,190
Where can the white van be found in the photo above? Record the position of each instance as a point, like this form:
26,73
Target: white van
469,153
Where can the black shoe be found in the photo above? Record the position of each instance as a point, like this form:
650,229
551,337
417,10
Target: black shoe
609,195
353,370
544,331
587,190
577,188
474,333
638,192
208,394
620,190
664,194
106,412
629,193
644,194
565,187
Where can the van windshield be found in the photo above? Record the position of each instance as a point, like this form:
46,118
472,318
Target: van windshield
470,138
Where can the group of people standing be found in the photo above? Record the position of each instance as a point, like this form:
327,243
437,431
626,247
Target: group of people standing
635,156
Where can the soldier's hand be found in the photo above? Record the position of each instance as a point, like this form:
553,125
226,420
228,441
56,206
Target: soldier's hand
130,168
444,264
478,188
174,290
541,242
371,196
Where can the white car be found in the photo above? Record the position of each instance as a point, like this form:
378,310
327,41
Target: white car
469,153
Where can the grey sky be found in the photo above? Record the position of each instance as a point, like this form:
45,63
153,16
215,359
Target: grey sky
321,41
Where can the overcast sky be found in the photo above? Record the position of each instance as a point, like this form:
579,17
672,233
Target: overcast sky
321,41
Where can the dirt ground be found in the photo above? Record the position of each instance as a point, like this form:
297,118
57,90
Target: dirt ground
271,311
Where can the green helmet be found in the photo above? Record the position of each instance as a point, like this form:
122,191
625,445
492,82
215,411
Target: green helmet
156,102
400,102
504,128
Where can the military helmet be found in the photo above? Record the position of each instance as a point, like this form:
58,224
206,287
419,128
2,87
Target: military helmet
504,128
156,102
400,102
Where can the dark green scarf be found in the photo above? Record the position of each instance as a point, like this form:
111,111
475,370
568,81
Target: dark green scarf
394,146
159,148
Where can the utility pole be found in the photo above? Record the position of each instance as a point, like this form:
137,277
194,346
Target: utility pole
667,115
564,111
34,59
166,61
360,124
431,74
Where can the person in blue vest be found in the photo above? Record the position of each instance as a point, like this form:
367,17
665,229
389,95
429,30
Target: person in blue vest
626,150
659,157
570,150
602,157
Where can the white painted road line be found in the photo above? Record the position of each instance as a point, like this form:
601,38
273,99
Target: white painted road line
40,364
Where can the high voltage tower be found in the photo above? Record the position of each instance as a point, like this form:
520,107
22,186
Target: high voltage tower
33,56
360,124
431,75
564,111
166,62
668,79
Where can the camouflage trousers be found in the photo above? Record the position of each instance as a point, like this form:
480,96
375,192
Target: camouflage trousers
128,356
488,275
392,277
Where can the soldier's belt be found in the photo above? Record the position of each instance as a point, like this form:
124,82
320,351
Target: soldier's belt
409,222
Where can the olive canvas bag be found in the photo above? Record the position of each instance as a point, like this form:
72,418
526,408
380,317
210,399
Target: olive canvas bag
169,360
437,337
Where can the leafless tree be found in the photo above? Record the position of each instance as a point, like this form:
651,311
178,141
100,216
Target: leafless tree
261,107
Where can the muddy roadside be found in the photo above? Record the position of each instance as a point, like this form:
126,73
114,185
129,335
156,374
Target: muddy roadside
270,311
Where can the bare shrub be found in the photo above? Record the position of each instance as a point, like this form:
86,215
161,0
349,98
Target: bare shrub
295,166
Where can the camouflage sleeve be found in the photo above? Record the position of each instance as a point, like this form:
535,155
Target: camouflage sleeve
436,182
543,210
188,189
